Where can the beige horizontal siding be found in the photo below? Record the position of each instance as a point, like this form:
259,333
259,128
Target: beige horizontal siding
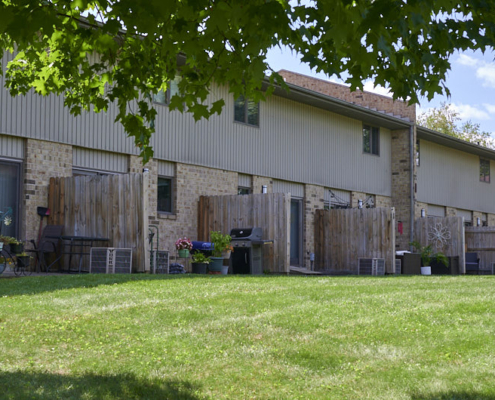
11,147
449,177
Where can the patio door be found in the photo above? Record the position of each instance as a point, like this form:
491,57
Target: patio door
9,196
295,232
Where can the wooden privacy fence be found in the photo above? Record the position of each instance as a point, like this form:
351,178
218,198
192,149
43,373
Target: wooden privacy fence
271,212
481,240
112,206
343,236
445,234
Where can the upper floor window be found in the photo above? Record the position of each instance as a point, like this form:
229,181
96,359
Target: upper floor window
371,140
247,111
418,154
164,97
484,170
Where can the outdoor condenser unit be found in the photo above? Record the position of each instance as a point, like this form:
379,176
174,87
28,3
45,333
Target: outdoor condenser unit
398,266
110,260
371,266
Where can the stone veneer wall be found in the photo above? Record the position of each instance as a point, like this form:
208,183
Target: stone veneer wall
190,183
314,199
43,160
401,184
365,99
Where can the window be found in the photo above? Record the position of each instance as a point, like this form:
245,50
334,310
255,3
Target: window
417,153
165,195
164,97
87,172
243,190
484,170
247,111
371,140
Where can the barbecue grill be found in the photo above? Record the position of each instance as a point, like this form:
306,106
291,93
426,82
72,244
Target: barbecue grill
247,257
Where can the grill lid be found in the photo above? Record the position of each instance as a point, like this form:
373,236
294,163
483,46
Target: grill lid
246,233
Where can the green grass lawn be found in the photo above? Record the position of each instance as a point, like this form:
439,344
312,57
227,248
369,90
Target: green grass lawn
146,337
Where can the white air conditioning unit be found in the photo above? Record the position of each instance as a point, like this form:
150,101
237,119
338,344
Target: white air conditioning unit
110,260
398,266
371,266
159,261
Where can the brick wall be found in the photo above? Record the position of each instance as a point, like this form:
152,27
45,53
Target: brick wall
190,183
259,181
383,202
313,200
43,160
450,212
365,99
401,184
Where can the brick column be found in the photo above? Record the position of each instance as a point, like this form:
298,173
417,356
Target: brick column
43,160
401,183
313,200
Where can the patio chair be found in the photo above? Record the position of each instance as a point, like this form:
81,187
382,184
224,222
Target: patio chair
47,245
472,263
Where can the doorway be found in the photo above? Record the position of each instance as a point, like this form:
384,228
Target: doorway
296,232
9,196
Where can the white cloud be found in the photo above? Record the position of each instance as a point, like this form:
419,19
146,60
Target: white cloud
370,87
487,74
467,111
467,60
490,108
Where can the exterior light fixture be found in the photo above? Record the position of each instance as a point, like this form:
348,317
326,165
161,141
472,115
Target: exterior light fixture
423,213
478,221
264,189
360,203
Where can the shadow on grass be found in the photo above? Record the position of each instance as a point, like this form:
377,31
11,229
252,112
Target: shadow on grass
50,283
34,385
453,395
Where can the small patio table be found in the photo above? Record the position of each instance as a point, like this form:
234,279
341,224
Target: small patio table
77,246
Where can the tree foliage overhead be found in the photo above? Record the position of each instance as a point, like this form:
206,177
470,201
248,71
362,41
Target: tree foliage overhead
446,119
143,44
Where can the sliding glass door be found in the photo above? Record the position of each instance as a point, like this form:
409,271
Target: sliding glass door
10,196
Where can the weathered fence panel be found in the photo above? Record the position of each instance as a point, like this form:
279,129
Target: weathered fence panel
343,236
481,240
111,206
444,234
271,212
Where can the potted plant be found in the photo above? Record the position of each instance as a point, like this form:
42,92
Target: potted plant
184,245
220,243
427,255
3,264
199,263
23,260
15,246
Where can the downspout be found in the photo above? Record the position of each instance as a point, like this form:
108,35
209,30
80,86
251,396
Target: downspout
412,146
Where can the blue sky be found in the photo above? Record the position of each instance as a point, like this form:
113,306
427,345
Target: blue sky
471,82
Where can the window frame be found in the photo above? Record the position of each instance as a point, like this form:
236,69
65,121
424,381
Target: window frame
483,174
172,195
372,130
168,92
19,166
248,190
246,112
